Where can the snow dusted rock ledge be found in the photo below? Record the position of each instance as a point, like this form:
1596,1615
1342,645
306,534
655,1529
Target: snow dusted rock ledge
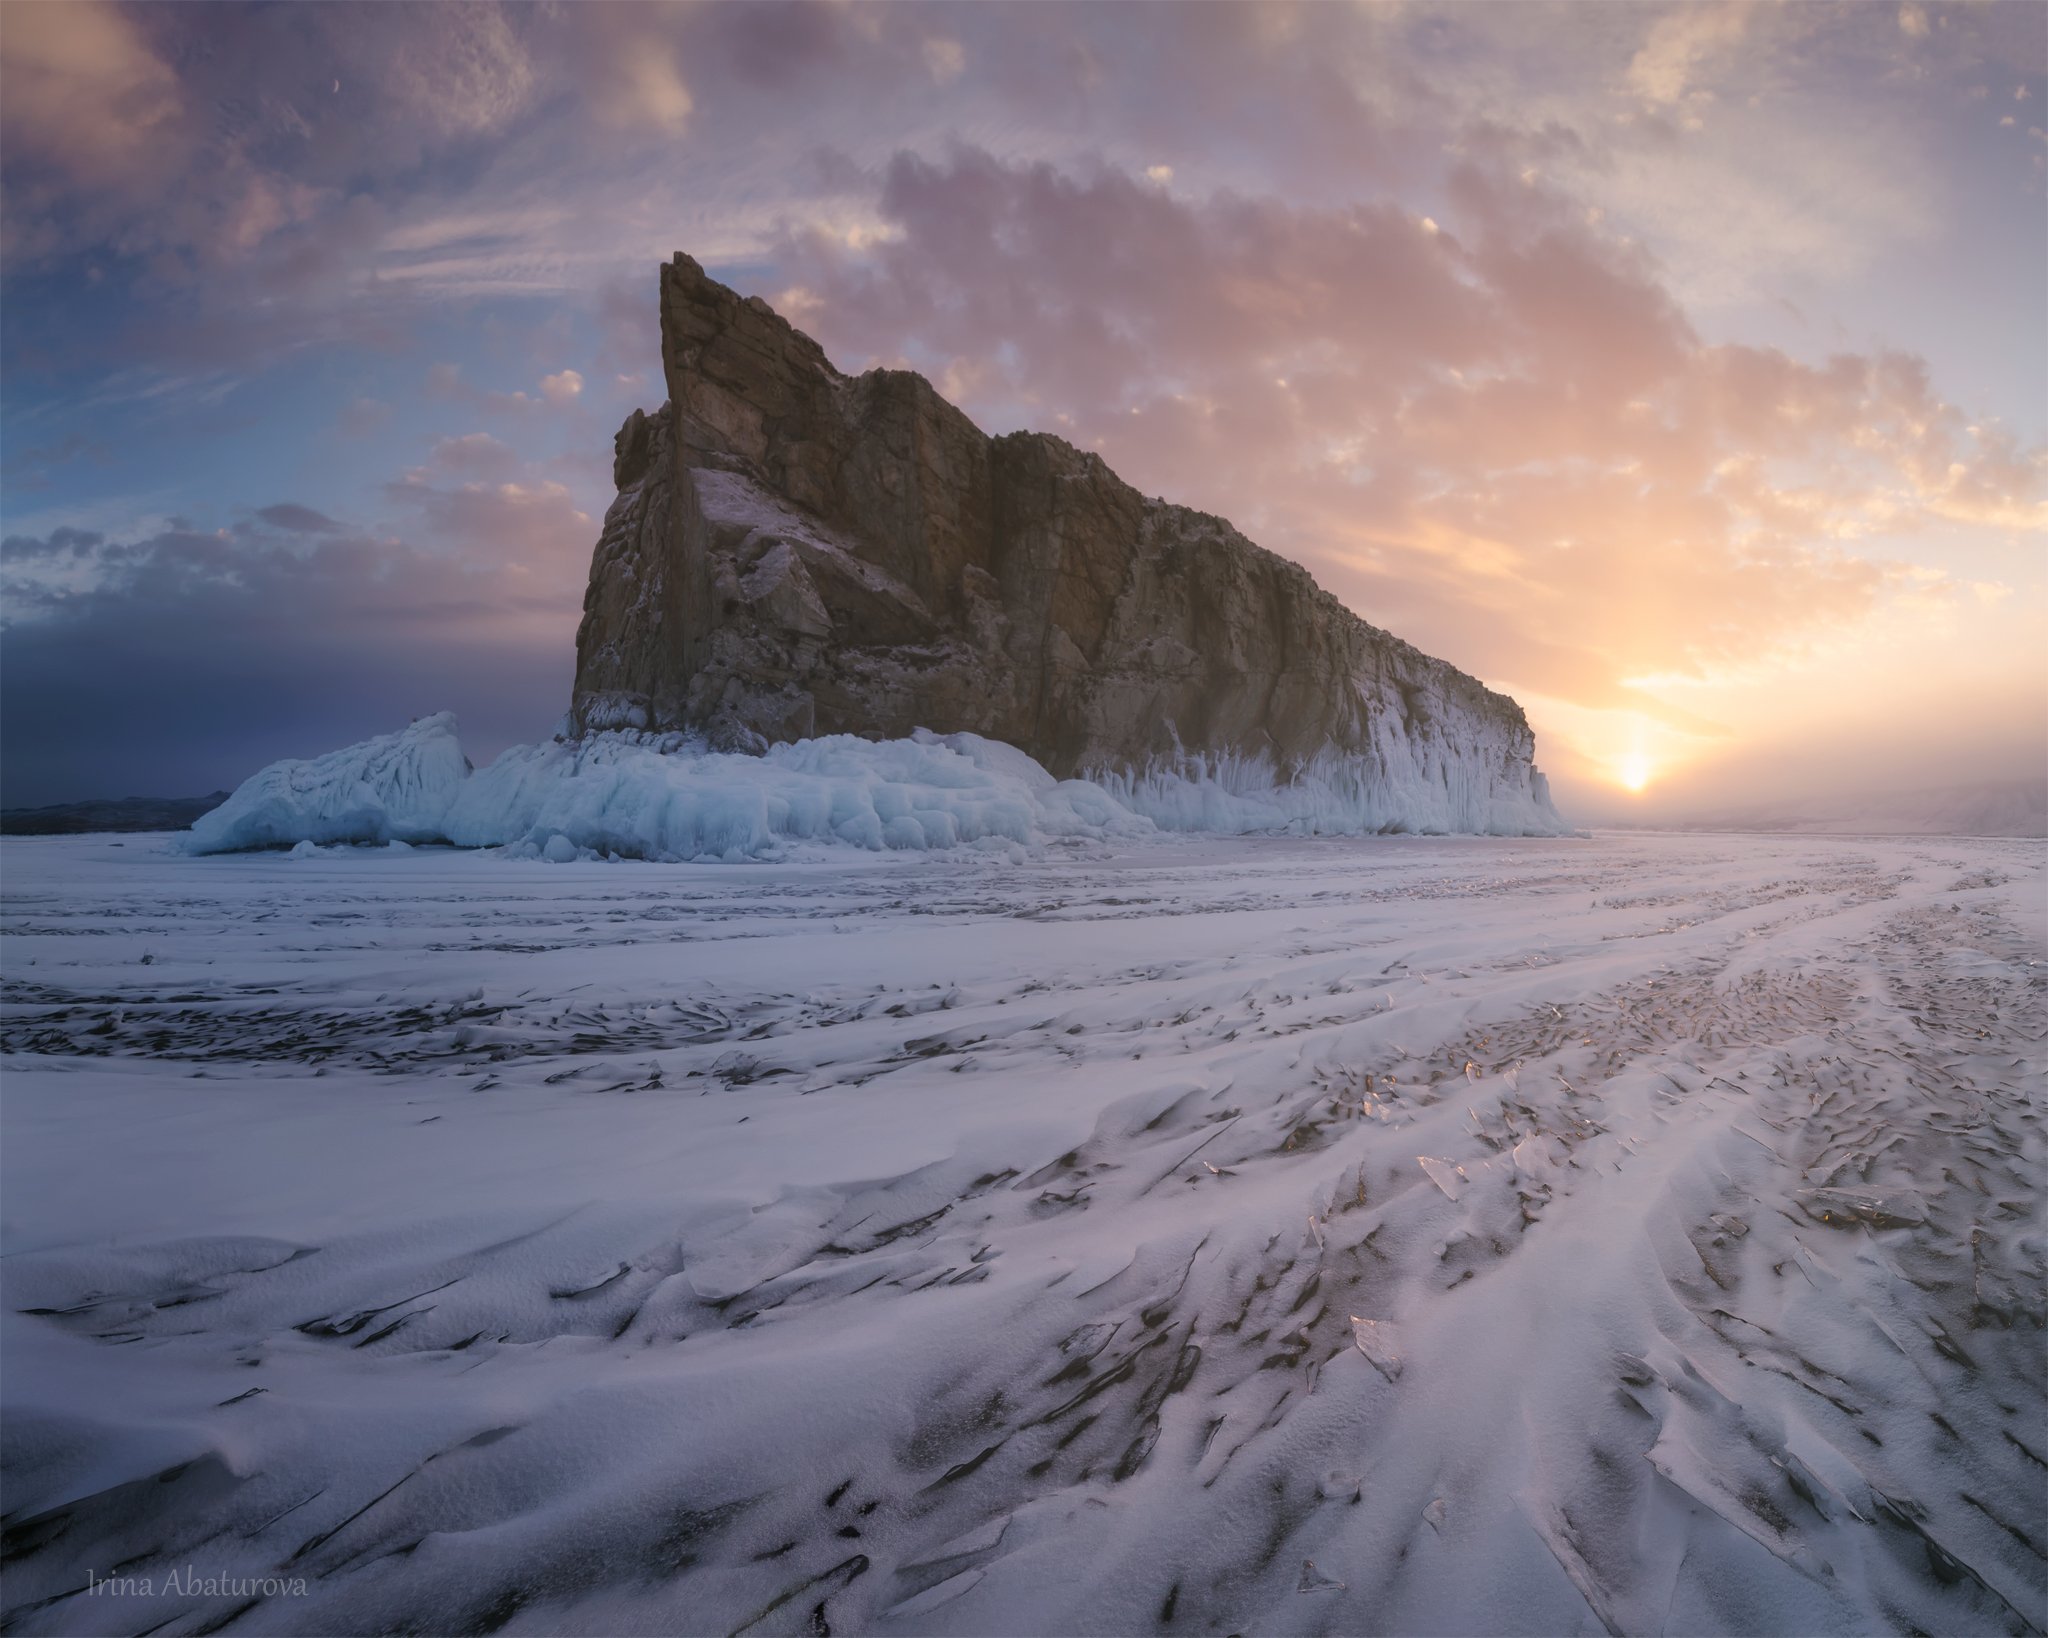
669,798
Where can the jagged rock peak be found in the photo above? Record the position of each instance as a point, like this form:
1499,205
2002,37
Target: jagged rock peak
795,552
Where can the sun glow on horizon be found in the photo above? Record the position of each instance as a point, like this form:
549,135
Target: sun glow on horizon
1633,764
1621,750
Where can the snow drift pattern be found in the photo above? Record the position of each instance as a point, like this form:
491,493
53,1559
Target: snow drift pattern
669,798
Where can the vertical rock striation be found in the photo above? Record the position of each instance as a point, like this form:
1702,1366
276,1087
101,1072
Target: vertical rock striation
795,552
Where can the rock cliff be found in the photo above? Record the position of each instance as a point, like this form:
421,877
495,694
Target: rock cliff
796,552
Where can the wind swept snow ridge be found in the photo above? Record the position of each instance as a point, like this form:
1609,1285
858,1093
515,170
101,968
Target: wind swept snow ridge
669,798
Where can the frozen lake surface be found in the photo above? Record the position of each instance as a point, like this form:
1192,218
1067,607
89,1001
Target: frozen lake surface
1638,1234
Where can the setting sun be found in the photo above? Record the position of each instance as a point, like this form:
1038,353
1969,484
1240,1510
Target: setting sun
1635,771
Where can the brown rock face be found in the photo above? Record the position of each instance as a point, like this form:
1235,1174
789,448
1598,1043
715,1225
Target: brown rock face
797,552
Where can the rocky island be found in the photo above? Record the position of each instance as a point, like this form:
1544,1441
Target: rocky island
830,610
797,552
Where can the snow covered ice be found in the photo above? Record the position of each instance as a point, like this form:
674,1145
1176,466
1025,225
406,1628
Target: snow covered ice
664,797
1290,1235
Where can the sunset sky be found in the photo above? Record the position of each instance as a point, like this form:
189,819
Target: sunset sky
1681,371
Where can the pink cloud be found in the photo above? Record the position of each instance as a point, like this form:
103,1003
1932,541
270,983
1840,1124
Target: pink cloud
1500,436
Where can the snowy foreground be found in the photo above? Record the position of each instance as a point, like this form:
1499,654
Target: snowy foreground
1319,1236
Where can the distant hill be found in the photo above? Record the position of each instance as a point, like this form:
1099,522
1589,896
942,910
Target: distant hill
123,813
1999,808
